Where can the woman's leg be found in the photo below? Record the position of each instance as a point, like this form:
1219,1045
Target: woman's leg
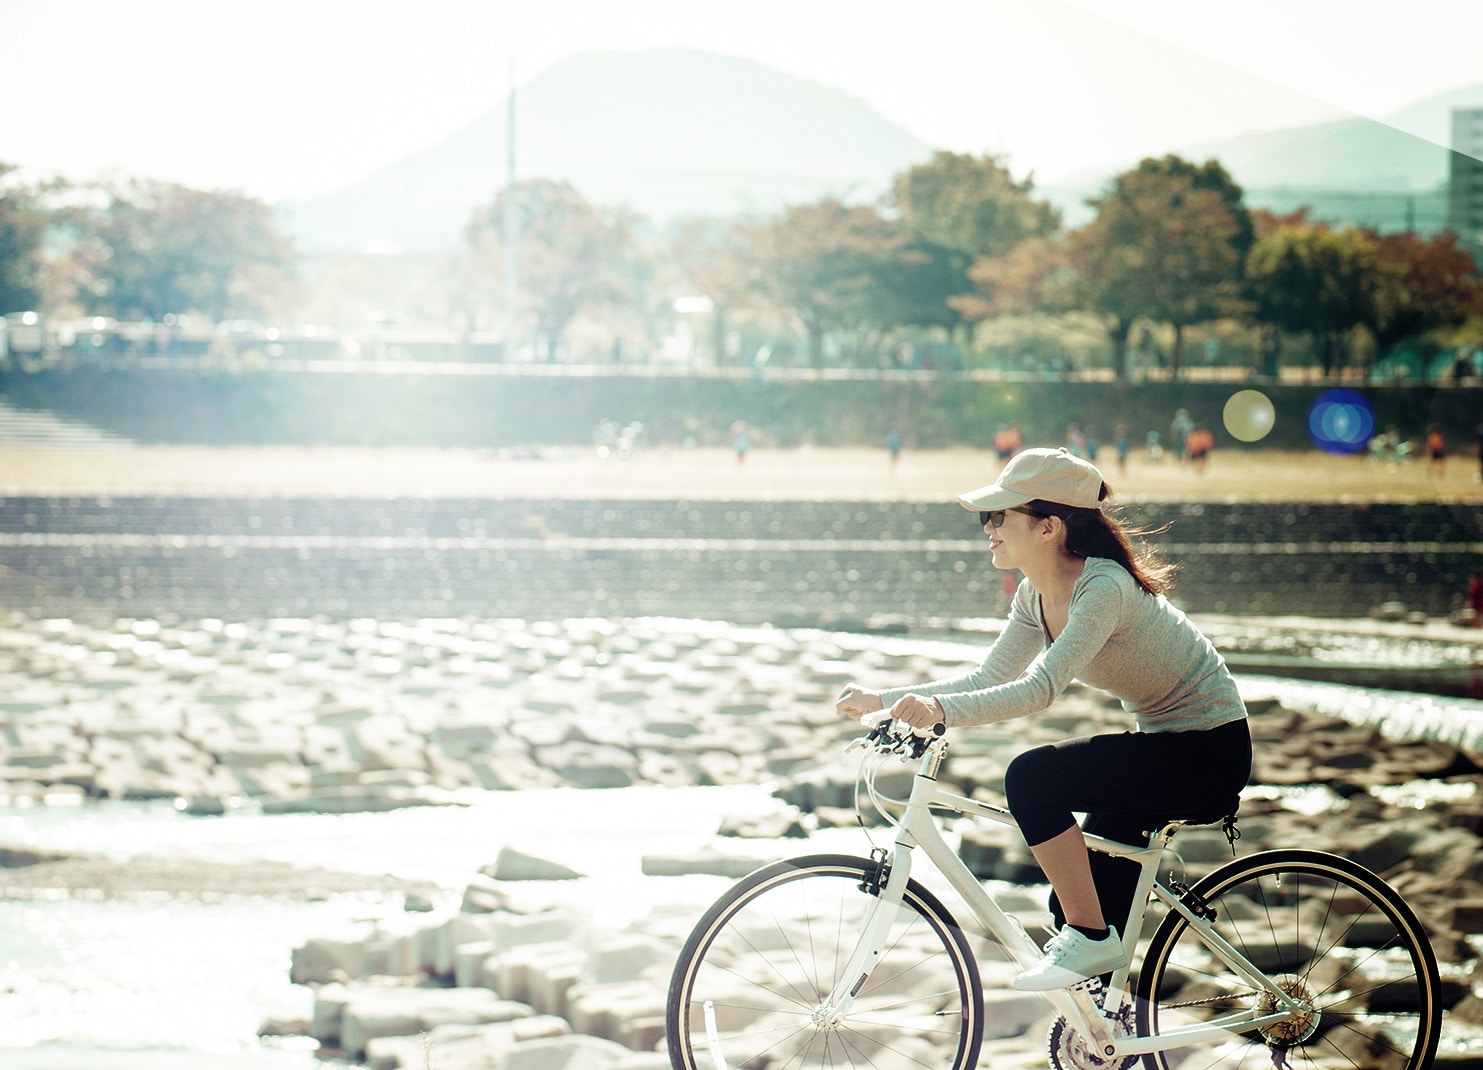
1131,773
1116,777
1067,865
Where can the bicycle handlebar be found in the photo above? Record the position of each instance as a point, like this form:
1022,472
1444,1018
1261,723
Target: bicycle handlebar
893,737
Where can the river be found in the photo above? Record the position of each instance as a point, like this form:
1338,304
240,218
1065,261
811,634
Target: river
176,983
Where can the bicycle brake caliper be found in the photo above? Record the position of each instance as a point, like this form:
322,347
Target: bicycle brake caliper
1190,898
876,879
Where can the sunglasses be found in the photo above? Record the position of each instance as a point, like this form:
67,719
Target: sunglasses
995,518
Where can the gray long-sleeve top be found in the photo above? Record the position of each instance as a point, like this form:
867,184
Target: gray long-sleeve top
1136,646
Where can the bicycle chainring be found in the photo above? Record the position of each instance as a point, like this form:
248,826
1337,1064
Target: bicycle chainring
1070,1051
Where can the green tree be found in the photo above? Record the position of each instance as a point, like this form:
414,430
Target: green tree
164,248
826,262
1420,285
917,283
1269,356
962,209
709,256
1169,242
570,255
22,232
971,205
1311,278
1032,277
1107,279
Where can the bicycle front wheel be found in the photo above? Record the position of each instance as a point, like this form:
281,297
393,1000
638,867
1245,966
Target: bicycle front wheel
1331,934
750,988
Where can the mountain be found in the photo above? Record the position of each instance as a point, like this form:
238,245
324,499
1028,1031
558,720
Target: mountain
674,132
1432,118
666,132
1389,173
1349,154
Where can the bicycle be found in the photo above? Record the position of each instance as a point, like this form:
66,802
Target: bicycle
1285,958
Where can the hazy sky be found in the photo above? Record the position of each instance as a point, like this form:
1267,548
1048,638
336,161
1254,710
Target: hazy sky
289,98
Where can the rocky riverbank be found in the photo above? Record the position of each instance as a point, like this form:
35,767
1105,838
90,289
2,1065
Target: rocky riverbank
313,716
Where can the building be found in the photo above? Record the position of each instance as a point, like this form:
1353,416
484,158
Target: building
1465,180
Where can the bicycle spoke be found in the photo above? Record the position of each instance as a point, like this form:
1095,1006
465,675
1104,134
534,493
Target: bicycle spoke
1332,936
767,957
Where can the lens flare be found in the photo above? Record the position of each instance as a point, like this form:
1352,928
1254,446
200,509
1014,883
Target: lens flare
1249,415
1340,421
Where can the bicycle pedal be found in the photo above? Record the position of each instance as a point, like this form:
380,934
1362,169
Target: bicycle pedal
1094,987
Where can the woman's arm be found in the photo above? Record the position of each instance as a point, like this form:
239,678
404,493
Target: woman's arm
1095,614
1015,648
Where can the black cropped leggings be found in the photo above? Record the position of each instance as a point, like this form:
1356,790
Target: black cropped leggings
1127,784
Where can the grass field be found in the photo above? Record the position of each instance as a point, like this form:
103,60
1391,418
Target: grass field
939,475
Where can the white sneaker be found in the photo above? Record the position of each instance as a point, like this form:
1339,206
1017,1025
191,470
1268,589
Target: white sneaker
1071,956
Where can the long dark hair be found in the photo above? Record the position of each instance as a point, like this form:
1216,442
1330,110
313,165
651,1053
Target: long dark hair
1095,533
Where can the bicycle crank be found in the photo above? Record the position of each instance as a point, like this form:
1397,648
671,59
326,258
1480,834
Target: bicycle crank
1069,1050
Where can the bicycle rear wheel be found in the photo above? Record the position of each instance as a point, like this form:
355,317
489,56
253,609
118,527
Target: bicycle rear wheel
748,987
1330,933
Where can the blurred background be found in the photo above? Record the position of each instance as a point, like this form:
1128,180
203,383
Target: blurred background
981,189
1163,239
452,371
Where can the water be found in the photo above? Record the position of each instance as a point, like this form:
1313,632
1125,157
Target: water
1396,714
124,983
171,983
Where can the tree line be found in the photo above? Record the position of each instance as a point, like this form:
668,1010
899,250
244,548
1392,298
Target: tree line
957,247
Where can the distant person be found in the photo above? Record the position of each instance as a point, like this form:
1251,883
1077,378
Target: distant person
1122,443
1076,442
893,445
1436,450
741,440
1197,446
1153,446
1007,442
1179,429
1093,445
1390,447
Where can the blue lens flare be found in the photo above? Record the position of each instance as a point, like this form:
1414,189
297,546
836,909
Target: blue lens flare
1340,421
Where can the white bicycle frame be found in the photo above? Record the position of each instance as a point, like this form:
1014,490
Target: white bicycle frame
916,827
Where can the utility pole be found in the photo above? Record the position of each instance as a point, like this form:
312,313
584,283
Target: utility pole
511,340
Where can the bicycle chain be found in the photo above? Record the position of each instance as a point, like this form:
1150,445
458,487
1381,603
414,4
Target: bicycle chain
1199,1002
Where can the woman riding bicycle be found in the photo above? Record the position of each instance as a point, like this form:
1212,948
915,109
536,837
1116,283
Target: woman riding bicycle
1091,607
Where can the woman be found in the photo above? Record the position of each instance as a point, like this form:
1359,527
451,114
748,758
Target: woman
1091,607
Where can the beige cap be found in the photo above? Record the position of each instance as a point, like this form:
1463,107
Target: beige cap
1040,474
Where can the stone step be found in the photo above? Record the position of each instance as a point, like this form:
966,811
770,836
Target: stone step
41,428
760,562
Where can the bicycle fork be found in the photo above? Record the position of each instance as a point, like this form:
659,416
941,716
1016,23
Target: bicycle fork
886,887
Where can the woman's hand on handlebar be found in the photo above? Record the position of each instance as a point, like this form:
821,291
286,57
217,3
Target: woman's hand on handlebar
856,701
918,711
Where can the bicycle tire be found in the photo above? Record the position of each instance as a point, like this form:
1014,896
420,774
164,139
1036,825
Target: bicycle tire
1325,928
769,950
